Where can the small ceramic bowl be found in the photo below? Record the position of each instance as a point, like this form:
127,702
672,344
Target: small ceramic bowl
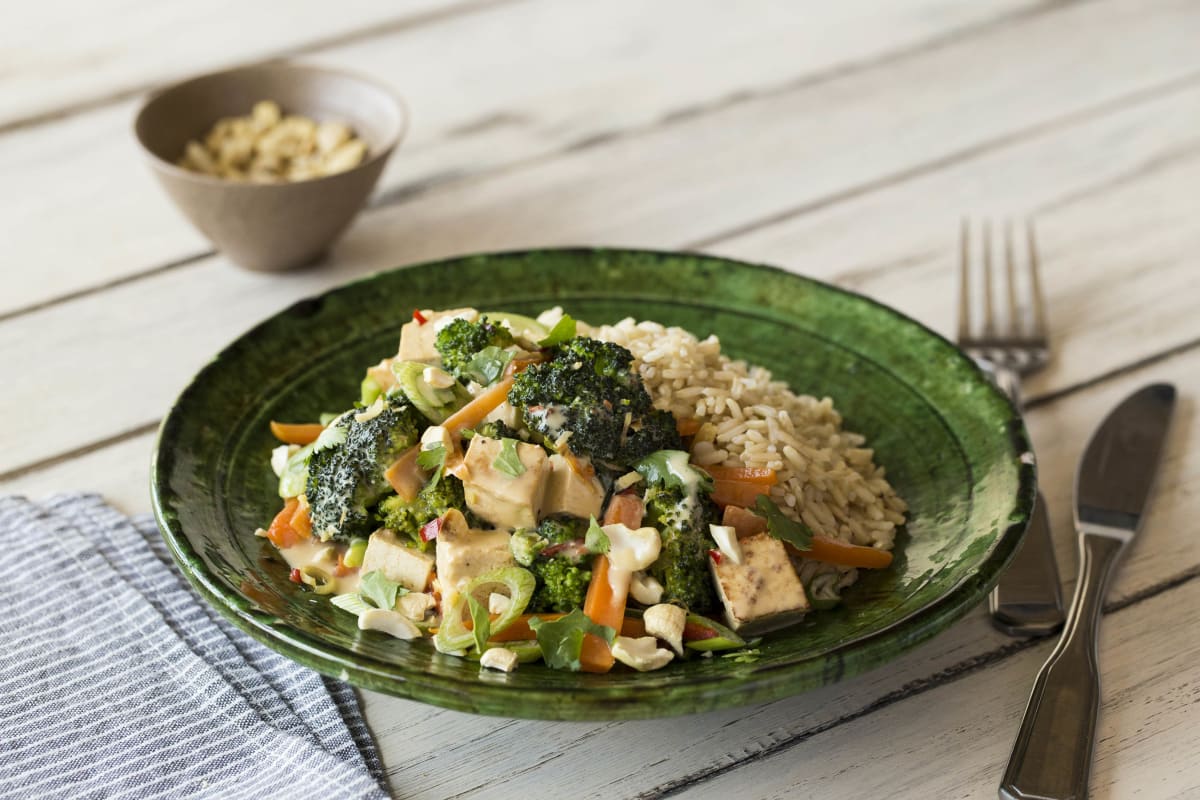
281,225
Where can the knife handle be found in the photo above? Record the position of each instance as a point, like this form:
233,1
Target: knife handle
1052,756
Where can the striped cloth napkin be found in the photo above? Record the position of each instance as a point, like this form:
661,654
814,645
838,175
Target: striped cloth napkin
117,681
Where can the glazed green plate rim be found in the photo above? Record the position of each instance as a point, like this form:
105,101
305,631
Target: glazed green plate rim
754,685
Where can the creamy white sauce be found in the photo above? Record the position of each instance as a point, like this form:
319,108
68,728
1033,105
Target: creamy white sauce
552,420
629,551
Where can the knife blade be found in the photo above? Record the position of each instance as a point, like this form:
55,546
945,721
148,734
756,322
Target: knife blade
1118,466
1052,755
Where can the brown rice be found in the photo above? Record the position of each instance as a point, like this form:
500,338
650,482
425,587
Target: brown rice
827,477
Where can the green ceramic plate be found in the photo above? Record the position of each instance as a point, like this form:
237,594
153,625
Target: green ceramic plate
953,447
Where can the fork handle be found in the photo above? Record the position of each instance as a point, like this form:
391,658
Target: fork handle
1052,756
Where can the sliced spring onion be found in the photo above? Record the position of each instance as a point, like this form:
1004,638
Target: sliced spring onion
350,602
317,579
294,475
354,555
453,636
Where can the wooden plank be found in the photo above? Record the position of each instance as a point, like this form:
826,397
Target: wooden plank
110,48
955,740
622,759
623,206
1112,222
472,114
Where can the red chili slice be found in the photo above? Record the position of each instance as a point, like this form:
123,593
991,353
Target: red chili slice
419,317
294,577
430,530
694,633
715,555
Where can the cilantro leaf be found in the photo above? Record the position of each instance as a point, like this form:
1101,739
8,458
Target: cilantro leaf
509,460
481,623
487,365
563,331
596,540
781,526
432,458
435,459
382,592
561,641
671,470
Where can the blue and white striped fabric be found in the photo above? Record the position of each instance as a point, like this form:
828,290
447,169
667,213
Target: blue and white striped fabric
117,681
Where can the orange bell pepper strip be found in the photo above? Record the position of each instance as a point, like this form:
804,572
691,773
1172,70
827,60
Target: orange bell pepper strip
405,475
835,551
296,433
281,533
688,426
473,412
301,522
756,475
743,520
605,603
831,551
737,493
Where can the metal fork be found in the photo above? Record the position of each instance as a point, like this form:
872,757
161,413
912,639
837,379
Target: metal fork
1028,599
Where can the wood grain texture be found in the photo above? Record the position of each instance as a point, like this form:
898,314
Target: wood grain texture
1061,163
1144,744
473,117
843,141
57,62
590,760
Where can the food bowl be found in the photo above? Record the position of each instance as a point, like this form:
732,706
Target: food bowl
954,448
270,226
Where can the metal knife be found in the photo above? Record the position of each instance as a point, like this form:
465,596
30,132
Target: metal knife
1052,756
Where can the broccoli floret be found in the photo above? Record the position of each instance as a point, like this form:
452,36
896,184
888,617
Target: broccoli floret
345,478
560,530
561,585
499,429
431,502
526,545
682,519
461,341
654,431
589,388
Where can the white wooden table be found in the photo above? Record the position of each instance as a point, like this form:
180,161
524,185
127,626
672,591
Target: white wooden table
840,140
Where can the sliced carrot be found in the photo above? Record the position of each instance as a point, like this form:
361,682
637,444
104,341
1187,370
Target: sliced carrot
301,522
743,520
296,433
604,605
757,475
474,412
627,509
688,426
835,551
281,533
405,475
737,493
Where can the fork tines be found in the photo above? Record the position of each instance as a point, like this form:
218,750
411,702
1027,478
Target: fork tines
1013,335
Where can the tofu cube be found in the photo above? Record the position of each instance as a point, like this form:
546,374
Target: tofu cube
763,592
418,340
465,553
503,500
568,492
398,562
